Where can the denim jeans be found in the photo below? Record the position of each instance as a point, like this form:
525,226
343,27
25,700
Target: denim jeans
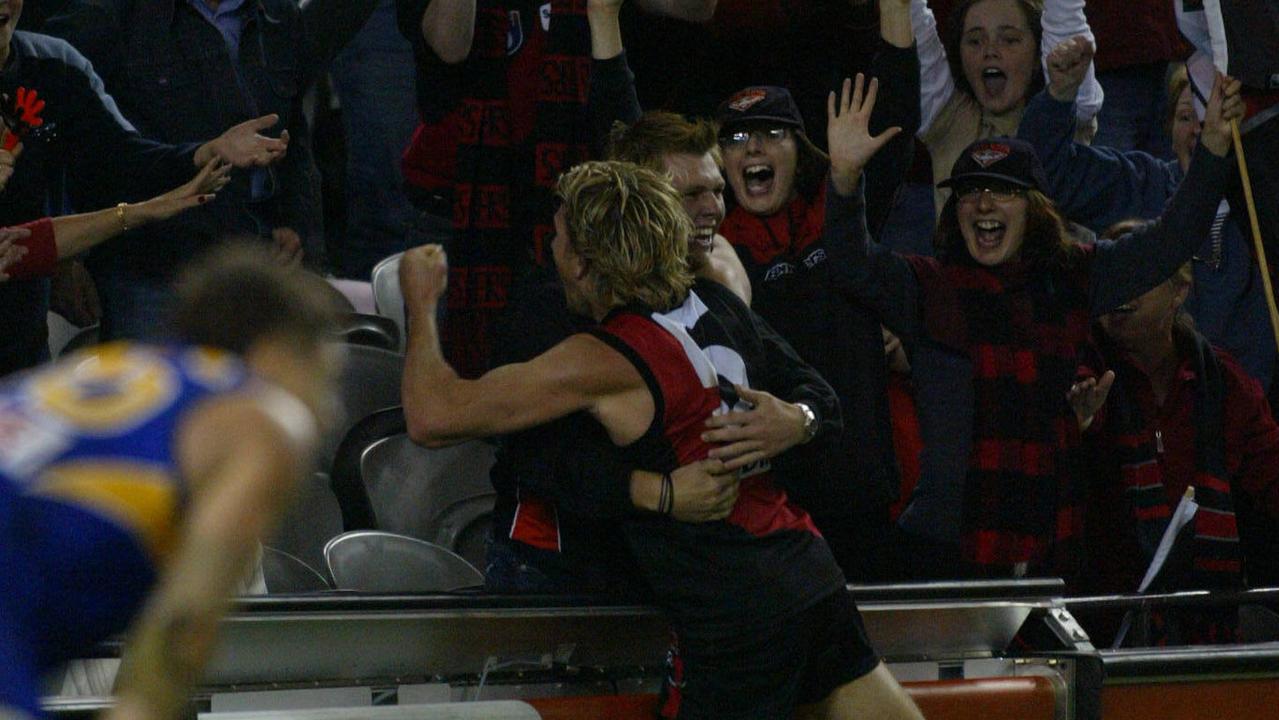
1135,114
374,79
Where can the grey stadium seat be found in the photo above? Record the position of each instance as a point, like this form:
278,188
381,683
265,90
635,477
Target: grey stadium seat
377,561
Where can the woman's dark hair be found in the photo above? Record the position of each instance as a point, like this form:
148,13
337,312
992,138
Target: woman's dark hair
1046,243
1033,10
811,166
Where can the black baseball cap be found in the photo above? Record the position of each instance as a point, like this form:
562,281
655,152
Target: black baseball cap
1003,158
759,103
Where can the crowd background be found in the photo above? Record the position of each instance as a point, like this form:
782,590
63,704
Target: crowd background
361,129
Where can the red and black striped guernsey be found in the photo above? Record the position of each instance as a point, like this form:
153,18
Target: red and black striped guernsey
721,580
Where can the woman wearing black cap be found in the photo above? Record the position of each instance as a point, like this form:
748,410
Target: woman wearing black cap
778,181
1011,294
1178,413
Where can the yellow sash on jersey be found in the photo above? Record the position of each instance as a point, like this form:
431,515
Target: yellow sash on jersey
141,497
112,389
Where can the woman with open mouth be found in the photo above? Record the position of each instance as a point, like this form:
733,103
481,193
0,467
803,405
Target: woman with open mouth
1098,186
1013,295
976,82
776,223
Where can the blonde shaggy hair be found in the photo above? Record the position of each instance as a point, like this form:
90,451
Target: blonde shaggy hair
628,225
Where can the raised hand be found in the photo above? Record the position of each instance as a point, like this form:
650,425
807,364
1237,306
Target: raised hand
1087,397
1067,65
1225,106
198,190
243,145
748,436
424,276
848,136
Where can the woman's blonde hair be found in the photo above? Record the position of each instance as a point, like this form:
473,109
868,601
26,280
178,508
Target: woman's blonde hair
628,225
1178,81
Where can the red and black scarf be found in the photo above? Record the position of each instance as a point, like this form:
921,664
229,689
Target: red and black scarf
781,236
1022,328
1212,557
516,120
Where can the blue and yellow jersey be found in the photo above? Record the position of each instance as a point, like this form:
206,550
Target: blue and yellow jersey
99,431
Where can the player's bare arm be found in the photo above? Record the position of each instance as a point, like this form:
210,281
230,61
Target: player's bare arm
581,373
243,466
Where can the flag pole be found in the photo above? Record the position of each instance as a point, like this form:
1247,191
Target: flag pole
1256,230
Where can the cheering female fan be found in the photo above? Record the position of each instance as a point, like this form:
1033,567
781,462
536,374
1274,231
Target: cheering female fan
1010,293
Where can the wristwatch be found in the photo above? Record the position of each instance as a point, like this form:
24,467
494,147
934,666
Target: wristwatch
810,422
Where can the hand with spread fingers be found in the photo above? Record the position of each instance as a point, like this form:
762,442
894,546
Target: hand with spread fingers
848,136
198,190
1087,396
766,430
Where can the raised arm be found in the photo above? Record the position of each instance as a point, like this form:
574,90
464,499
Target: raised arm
441,408
1139,261
862,268
1063,20
612,96
907,23
897,69
1094,186
447,26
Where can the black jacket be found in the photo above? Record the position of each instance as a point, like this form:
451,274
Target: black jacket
82,137
172,73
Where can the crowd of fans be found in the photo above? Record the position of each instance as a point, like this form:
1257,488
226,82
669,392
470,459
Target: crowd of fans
979,277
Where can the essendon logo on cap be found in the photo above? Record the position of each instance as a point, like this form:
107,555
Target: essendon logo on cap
746,99
988,155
